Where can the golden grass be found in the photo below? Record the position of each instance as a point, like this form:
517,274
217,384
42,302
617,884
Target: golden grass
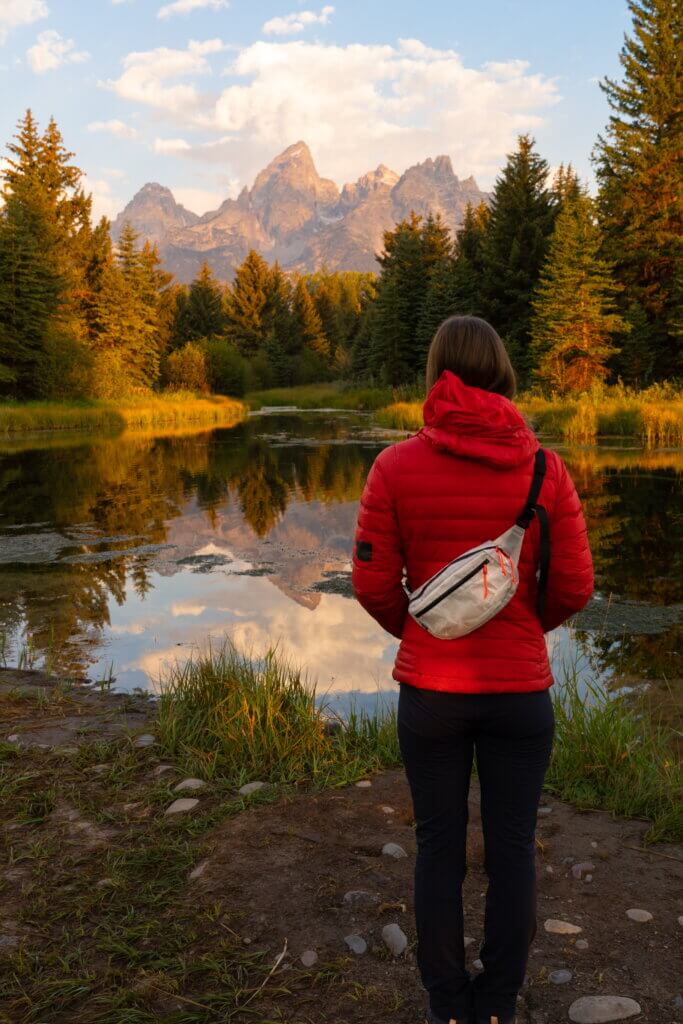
132,415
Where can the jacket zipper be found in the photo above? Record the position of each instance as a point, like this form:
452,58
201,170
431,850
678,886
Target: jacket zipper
439,599
467,554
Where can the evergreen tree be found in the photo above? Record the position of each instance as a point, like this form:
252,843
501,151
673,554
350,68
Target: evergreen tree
438,301
515,246
400,294
468,268
574,312
308,323
639,170
200,312
246,304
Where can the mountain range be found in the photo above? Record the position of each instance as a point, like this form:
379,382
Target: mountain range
294,216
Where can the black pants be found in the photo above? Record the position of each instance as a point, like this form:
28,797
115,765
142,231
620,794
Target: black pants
512,735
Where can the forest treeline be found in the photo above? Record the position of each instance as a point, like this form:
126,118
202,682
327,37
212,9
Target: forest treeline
582,289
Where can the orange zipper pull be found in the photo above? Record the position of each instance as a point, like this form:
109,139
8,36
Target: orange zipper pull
486,581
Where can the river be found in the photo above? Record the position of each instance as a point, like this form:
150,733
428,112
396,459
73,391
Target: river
118,557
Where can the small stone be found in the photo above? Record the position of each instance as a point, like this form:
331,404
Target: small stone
363,784
394,939
582,869
355,896
356,944
394,850
678,1002
105,883
182,805
14,738
555,927
250,787
98,769
146,740
680,920
468,941
309,958
478,965
560,977
549,869
199,870
161,769
387,810
588,878
602,1009
641,916
581,944
594,845
543,812
189,784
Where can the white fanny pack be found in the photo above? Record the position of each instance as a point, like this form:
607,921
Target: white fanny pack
474,587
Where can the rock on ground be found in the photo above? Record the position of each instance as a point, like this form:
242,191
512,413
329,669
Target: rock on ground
555,927
182,806
395,939
145,740
641,916
250,787
356,944
394,850
602,1009
309,958
189,784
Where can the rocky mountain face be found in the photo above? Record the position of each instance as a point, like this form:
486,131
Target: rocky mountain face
294,216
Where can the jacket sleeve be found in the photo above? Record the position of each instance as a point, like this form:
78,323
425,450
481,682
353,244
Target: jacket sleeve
377,555
570,576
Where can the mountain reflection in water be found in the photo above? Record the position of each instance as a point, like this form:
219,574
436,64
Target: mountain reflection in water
127,553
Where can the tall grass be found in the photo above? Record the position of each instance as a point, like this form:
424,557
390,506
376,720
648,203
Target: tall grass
227,715
611,752
170,410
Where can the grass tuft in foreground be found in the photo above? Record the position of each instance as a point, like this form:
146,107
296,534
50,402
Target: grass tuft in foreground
611,753
227,715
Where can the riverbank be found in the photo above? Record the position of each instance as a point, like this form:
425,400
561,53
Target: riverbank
654,417
155,412
121,906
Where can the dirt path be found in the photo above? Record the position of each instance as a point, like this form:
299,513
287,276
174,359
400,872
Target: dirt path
273,872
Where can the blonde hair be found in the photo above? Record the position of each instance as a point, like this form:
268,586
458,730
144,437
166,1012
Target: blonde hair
469,347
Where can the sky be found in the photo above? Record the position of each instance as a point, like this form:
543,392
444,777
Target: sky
200,95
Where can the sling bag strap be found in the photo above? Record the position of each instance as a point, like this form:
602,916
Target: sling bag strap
531,509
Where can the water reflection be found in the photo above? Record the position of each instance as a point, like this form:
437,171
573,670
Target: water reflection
128,552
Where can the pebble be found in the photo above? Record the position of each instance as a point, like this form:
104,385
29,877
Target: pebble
588,878
468,941
395,939
199,870
146,740
67,751
478,965
582,869
387,810
182,805
543,812
14,738
549,869
394,850
161,769
189,784
250,787
105,883
680,920
363,784
641,916
560,977
561,927
581,944
359,896
602,1009
356,944
309,958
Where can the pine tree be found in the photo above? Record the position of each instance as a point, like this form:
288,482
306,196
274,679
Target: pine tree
516,243
400,294
246,304
438,301
308,323
574,311
468,268
200,312
640,177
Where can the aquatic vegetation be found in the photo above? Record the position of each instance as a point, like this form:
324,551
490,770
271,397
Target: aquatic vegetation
228,715
164,411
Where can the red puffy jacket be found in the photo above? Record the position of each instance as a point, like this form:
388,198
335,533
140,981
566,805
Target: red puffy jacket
463,480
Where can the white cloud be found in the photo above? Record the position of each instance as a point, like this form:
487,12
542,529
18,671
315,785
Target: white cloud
114,127
167,146
356,105
105,203
291,24
187,6
51,51
201,200
146,76
16,13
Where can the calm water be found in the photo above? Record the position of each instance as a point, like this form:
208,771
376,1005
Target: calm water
117,557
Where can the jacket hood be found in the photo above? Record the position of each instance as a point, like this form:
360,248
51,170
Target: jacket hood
476,424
